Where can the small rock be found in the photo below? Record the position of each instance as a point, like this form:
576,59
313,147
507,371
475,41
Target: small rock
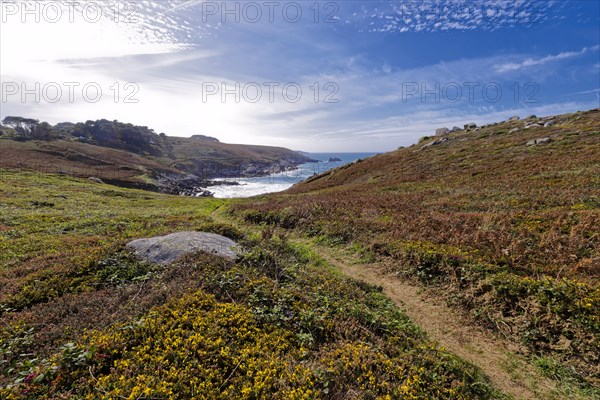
545,140
534,142
513,130
470,126
549,123
533,126
455,129
514,118
532,116
199,192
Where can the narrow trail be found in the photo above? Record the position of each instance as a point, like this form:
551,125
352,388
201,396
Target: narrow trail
508,372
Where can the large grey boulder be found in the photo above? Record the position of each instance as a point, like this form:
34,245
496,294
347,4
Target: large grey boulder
471,126
442,131
166,249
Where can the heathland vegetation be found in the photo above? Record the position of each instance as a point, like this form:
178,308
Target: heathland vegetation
504,231
508,230
82,318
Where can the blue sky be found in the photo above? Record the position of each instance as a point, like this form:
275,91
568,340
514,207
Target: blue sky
373,75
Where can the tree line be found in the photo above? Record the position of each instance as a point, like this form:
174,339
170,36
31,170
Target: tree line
115,134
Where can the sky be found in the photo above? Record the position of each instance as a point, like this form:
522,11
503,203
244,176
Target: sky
336,76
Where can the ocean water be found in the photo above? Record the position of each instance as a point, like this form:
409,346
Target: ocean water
249,187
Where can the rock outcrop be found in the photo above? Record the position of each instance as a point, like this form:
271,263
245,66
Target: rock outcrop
435,143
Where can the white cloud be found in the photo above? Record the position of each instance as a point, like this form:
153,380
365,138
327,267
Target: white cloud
530,62
585,92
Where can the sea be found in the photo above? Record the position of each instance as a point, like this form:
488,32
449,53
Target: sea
248,187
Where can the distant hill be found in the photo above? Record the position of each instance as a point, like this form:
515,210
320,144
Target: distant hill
500,151
134,156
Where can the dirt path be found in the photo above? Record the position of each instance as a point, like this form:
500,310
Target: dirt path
509,372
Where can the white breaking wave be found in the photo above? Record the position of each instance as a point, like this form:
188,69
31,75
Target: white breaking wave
249,187
246,188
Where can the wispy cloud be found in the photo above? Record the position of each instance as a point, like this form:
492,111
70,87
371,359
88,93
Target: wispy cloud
530,62
584,92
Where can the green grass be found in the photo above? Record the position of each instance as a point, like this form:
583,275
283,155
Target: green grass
571,385
54,226
81,318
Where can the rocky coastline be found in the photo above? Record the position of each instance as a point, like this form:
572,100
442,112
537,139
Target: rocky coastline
202,176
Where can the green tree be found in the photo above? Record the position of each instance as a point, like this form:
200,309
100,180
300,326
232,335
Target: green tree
43,131
24,127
